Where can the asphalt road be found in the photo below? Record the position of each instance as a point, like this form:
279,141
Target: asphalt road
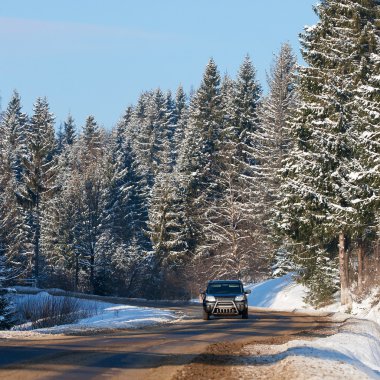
149,353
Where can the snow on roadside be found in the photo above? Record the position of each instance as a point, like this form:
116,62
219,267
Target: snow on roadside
278,293
353,353
112,317
285,294
105,316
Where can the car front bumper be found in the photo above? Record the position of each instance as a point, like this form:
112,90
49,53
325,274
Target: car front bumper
225,307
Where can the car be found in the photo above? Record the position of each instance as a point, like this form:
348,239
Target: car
225,298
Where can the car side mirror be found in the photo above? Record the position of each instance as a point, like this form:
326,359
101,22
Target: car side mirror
248,291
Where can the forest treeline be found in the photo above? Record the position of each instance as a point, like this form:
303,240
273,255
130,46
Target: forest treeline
224,183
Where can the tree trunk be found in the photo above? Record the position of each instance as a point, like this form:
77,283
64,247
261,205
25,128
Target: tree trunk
76,273
360,267
37,236
345,296
92,271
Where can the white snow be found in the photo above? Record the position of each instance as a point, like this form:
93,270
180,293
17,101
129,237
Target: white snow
352,353
285,294
107,316
124,316
279,293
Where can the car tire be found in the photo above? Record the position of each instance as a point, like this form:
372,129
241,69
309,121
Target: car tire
206,316
244,314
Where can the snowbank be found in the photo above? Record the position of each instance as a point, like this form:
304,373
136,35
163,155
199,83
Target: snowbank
278,293
285,294
353,353
111,317
104,316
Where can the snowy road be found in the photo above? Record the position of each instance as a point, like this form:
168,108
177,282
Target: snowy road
149,353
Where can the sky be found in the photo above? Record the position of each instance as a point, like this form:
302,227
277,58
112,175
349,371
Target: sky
95,57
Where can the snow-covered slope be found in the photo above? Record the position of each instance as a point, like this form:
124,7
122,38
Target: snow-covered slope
353,352
284,293
104,316
112,316
279,293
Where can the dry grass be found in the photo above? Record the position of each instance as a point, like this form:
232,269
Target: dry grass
48,311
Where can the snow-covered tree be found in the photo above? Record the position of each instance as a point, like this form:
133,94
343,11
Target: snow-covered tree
181,116
231,223
13,233
197,160
13,143
275,142
7,310
317,206
69,131
39,171
125,211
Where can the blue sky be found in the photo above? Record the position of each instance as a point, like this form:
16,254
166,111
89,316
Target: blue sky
97,56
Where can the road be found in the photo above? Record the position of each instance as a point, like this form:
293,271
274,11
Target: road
151,353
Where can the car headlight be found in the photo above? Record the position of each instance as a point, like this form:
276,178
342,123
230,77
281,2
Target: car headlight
239,298
210,298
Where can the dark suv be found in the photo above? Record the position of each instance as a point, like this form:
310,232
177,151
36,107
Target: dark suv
225,297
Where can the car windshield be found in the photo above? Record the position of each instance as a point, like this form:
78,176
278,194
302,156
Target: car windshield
225,288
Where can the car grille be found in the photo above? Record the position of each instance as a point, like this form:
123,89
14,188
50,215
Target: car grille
225,306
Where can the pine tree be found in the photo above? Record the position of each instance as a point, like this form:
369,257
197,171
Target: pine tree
69,134
364,179
94,165
181,116
14,134
39,171
13,235
197,161
169,236
7,310
230,219
275,143
317,206
125,213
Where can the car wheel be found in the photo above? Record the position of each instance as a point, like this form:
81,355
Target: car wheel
244,314
206,316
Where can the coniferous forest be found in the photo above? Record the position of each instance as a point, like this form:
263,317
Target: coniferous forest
226,182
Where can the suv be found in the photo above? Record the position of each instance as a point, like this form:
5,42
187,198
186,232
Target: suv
225,297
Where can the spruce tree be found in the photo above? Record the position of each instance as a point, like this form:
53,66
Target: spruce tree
317,207
13,144
275,143
13,232
231,218
198,160
39,171
125,212
181,115
69,133
7,309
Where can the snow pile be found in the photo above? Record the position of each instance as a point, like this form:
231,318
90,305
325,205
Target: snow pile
112,316
101,316
353,353
369,308
285,294
357,343
278,293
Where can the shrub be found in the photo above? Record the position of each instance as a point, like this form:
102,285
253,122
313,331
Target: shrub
47,311
7,313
